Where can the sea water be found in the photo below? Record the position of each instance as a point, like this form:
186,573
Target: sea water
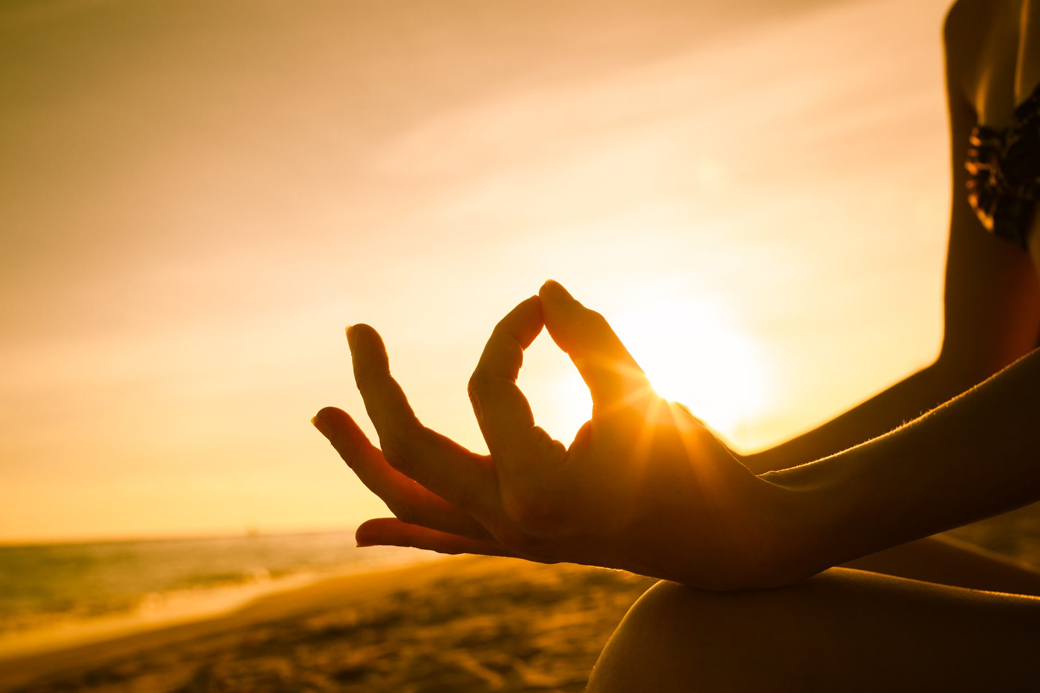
59,594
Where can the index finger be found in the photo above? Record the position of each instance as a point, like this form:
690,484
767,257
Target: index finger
436,462
614,378
502,410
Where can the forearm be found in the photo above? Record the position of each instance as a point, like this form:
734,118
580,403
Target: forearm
904,401
969,459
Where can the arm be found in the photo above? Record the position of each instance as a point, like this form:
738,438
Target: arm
645,487
971,458
905,400
977,454
991,310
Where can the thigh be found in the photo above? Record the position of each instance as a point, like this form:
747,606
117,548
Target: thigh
947,561
844,630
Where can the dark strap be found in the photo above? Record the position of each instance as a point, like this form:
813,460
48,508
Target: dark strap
1004,168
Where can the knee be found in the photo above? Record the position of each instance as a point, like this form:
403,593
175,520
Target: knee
666,639
676,638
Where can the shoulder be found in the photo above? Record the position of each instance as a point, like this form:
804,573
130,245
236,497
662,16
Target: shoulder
966,19
976,36
1028,76
963,42
993,51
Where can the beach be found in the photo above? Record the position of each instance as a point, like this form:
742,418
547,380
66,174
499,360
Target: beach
453,624
458,624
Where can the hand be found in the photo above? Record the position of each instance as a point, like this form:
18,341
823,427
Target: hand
644,486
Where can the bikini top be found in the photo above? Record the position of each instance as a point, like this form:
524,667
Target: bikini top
1004,169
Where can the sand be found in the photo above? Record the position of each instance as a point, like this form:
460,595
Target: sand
459,625
456,625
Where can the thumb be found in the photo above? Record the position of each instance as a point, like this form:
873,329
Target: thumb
612,375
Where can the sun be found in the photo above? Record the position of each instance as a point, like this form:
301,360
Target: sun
689,349
692,355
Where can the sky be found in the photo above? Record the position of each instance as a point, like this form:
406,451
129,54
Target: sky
197,197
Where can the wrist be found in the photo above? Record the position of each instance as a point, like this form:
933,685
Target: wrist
802,517
773,539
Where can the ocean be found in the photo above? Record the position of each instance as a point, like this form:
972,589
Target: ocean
54,595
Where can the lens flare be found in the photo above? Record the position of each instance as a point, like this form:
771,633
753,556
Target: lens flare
692,355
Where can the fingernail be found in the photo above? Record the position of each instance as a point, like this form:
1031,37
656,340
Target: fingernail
322,426
556,291
350,337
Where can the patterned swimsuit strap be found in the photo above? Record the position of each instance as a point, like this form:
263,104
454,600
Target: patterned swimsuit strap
1004,168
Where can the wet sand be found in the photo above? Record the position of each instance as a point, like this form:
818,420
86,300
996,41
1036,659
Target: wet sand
457,625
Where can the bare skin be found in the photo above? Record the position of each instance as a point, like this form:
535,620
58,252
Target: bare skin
843,630
864,630
991,290
646,488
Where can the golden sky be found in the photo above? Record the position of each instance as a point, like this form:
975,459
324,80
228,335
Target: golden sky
197,197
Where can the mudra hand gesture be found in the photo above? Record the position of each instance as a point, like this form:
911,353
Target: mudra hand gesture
643,487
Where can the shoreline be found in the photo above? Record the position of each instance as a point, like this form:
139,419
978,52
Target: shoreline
166,611
126,634
478,618
162,609
64,595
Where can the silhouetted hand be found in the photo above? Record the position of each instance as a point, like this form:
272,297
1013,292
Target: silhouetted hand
644,486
